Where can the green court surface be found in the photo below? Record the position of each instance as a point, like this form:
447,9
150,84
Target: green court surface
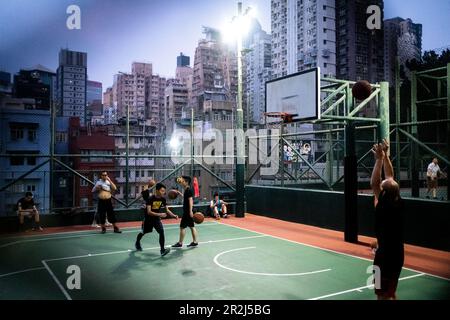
230,263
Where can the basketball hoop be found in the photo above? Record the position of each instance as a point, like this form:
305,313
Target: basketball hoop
284,116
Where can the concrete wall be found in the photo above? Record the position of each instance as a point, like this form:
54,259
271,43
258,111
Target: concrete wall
427,223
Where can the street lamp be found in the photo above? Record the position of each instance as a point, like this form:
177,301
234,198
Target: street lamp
240,25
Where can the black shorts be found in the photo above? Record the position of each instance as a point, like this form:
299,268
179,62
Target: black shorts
187,221
152,222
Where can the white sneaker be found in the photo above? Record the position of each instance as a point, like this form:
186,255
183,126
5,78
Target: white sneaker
108,224
94,225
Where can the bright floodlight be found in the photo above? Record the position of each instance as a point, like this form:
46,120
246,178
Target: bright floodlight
174,143
238,26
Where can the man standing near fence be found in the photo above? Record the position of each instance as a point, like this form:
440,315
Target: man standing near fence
104,188
433,173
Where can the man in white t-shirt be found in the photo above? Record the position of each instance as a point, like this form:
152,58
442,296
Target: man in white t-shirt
433,173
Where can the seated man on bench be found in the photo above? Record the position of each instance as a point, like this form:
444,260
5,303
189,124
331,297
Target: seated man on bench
27,208
218,207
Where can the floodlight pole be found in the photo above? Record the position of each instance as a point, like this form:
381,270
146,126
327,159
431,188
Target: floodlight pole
240,144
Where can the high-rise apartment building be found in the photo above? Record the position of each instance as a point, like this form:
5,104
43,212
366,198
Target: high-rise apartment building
402,39
303,36
359,51
71,84
258,72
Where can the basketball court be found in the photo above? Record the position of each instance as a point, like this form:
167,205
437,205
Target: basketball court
248,257
231,263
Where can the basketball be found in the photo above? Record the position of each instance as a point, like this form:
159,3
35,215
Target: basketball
198,217
362,90
173,194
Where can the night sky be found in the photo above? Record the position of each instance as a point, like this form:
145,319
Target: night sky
117,32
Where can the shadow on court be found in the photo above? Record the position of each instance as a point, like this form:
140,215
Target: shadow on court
145,260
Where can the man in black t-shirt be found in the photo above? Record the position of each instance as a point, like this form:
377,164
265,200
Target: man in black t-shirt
389,256
188,215
156,208
27,208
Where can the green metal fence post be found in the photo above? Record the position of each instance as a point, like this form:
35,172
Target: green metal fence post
415,190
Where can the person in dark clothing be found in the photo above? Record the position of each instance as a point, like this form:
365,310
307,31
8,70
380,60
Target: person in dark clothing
389,256
27,208
188,214
156,209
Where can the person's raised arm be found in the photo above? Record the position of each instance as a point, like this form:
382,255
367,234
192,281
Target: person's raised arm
375,181
113,186
387,164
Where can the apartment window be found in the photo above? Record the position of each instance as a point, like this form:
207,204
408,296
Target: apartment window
31,188
84,202
83,183
137,173
324,41
16,161
136,189
62,182
16,133
124,140
149,173
31,161
61,137
31,135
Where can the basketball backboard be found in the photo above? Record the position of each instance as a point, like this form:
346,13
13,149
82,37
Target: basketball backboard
297,94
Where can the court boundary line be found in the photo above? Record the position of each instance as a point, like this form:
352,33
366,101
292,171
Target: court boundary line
127,230
20,271
362,288
61,287
91,230
216,258
144,249
330,250
66,294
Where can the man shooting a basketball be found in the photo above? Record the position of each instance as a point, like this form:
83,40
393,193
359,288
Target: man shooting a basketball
388,204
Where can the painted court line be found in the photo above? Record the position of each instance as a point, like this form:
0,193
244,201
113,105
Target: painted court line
91,230
216,258
129,250
360,289
330,250
20,271
68,297
134,229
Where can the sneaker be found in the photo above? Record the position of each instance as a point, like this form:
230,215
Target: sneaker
94,225
117,230
108,224
138,246
39,228
177,245
192,244
164,252
225,216
103,230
